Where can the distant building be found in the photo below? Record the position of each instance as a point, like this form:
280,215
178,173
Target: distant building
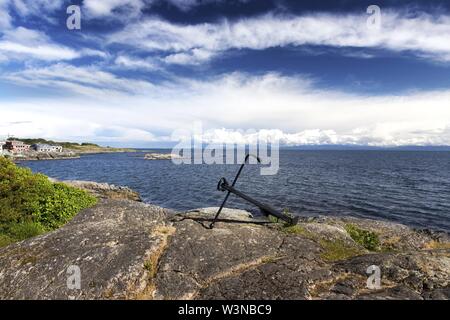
40,147
16,146
1,146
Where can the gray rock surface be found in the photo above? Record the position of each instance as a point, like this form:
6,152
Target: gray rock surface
113,244
317,259
105,190
34,156
130,250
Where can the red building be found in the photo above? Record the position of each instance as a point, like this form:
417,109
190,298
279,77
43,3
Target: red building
16,146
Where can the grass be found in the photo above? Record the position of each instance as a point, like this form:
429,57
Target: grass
338,250
366,238
285,212
438,245
297,229
151,267
333,250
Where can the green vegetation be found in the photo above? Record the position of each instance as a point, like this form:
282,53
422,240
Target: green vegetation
297,229
333,250
338,250
285,212
151,267
68,145
366,238
30,204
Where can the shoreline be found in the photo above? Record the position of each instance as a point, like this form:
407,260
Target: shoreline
35,156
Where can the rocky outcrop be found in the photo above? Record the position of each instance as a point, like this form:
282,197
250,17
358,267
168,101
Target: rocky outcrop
161,156
316,259
130,250
34,156
113,245
105,190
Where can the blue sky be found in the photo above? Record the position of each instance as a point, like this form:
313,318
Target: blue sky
310,72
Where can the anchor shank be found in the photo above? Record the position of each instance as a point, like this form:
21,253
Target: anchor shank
264,207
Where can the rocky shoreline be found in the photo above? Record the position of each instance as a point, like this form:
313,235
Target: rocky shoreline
73,154
126,249
35,156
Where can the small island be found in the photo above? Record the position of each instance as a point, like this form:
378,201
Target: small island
161,156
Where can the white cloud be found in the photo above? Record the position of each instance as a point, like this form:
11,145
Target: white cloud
19,43
43,9
48,52
49,125
133,8
88,81
192,57
97,8
290,108
424,34
5,18
134,63
36,7
186,5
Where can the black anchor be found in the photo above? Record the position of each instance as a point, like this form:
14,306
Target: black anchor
223,185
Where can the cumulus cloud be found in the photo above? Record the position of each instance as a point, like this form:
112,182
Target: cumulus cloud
48,125
423,34
290,109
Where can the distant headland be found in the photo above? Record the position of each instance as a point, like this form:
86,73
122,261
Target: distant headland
42,149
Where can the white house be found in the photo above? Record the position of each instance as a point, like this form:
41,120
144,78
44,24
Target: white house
39,147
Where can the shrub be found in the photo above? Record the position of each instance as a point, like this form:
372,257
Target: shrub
30,204
367,239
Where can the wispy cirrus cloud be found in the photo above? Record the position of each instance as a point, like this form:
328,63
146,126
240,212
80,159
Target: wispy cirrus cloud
135,63
22,43
96,9
35,7
87,81
133,8
5,18
190,57
424,34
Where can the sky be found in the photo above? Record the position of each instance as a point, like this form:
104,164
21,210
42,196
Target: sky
306,72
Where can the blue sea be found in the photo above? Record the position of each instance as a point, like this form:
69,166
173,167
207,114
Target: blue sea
410,187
